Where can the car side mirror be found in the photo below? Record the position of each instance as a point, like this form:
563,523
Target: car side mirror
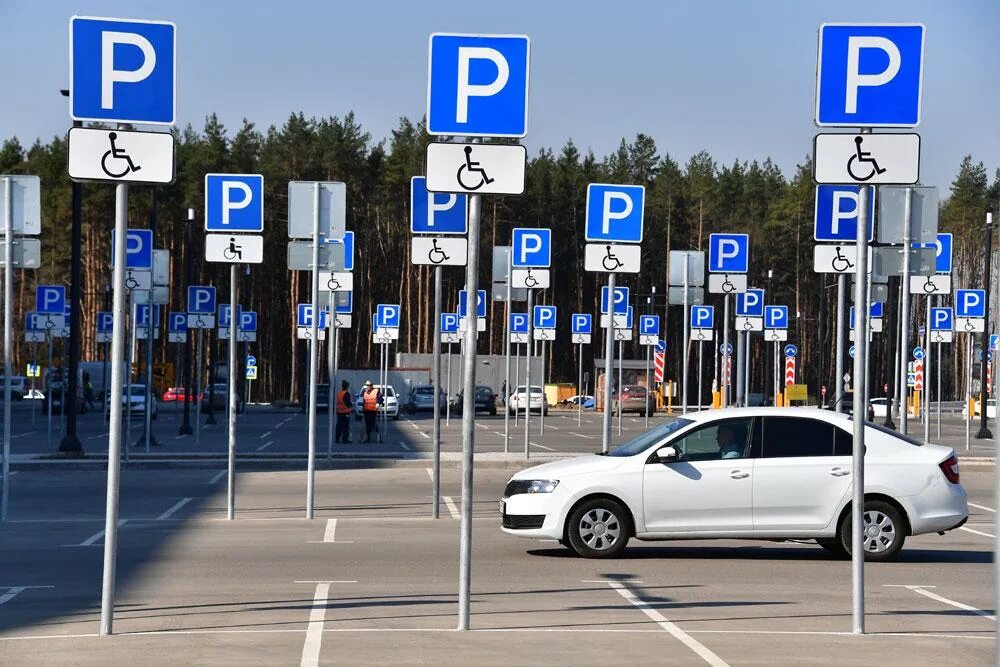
667,453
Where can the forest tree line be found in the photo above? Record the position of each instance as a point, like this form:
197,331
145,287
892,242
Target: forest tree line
684,204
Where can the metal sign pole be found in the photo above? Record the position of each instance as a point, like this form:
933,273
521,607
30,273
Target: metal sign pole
115,425
331,375
609,354
645,410
527,372
939,364
700,345
904,316
684,345
234,318
104,382
621,358
447,391
725,355
436,381
746,371
150,333
469,414
313,356
579,386
506,372
8,336
198,389
517,380
336,363
48,386
838,403
968,390
133,332
861,310
927,375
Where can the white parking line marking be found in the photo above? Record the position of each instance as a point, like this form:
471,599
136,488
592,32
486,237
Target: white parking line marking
178,437
21,435
284,421
314,631
14,591
430,473
265,445
970,530
265,434
176,506
581,435
219,475
934,596
404,446
535,444
98,436
329,535
982,507
12,473
90,541
451,506
700,649
553,427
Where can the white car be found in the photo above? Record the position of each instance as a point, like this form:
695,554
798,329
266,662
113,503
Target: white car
134,402
390,405
879,406
991,409
757,473
537,403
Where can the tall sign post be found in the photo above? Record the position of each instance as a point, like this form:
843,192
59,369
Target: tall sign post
614,225
530,259
649,336
849,96
582,325
108,89
339,289
702,320
439,223
21,212
776,331
234,224
686,281
728,264
201,306
317,211
543,329
490,107
942,325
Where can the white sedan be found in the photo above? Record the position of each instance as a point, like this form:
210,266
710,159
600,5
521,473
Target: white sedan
757,473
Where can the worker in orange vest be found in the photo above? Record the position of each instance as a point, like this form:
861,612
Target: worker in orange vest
343,406
371,398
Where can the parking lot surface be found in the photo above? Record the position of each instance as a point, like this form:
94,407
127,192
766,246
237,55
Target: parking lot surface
373,578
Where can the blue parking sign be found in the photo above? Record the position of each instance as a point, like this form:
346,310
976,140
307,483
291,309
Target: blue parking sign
545,317
728,253
519,323
614,213
177,322
869,75
449,323
463,303
649,325
225,313
122,71
304,316
942,319
531,248
248,320
477,85
387,315
436,212
234,203
775,317
142,316
344,304
836,213
702,317
750,303
582,323
105,321
621,300
201,299
970,303
50,299
138,249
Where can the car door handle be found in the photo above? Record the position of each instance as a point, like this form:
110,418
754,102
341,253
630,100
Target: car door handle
739,474
839,472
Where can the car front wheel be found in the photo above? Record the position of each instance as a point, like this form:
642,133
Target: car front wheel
598,528
885,531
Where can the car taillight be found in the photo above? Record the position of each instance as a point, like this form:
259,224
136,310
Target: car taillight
950,468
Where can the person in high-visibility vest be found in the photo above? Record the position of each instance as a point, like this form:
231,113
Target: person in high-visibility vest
343,403
371,398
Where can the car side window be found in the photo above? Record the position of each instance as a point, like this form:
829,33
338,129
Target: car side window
843,443
726,439
797,437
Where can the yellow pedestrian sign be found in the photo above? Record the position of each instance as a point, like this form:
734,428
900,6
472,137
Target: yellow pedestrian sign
251,372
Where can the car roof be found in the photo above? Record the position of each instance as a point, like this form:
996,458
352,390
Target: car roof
729,413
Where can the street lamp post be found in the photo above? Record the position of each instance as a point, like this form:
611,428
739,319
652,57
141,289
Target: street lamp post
185,428
984,431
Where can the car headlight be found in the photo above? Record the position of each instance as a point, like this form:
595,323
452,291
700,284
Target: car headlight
518,486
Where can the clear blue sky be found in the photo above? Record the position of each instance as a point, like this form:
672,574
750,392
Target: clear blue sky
735,78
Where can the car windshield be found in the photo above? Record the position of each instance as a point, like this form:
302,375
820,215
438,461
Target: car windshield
424,391
643,441
137,390
483,391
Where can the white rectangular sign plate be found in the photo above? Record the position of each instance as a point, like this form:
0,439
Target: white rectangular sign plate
304,333
698,335
198,321
544,334
121,156
342,321
623,334
621,321
939,283
872,159
480,324
776,335
970,325
177,337
612,258
581,339
39,337
138,280
749,324
838,258
648,339
727,283
27,253
234,248
439,250
518,337
455,338
941,336
530,278
482,169
336,281
102,337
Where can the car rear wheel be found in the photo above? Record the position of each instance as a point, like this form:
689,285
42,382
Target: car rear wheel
598,528
885,531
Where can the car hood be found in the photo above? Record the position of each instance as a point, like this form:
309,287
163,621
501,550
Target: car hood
579,465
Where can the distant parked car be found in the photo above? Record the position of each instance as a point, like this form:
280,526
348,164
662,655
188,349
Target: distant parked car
390,406
879,406
635,398
486,400
422,398
178,394
537,403
220,401
134,401
991,409
588,401
18,386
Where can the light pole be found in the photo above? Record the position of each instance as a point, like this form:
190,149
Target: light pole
984,431
185,428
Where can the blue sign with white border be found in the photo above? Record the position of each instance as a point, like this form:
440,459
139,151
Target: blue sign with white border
105,322
449,323
545,317
970,303
582,323
702,317
436,212
50,299
304,316
248,320
201,299
387,315
649,325
122,70
531,248
234,203
728,253
836,213
463,303
918,353
177,322
942,319
614,213
869,75
750,303
621,300
142,316
138,249
519,323
942,249
477,85
791,350
775,317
